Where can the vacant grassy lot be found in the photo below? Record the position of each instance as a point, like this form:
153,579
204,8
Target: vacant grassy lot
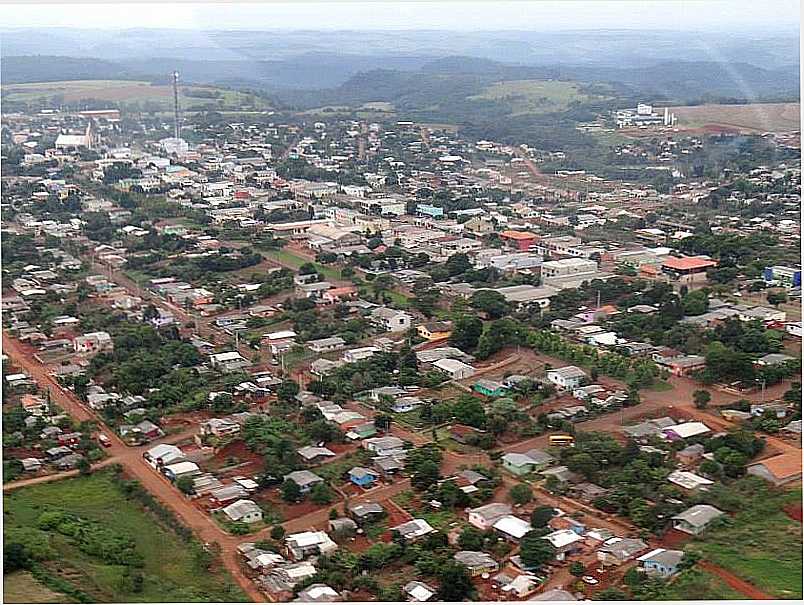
126,91
755,117
22,587
533,96
761,544
170,571
293,261
695,584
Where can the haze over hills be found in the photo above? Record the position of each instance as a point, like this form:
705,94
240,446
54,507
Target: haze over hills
313,68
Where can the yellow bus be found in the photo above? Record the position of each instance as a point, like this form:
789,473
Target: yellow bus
562,440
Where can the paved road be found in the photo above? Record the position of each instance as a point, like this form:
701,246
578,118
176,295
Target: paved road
132,461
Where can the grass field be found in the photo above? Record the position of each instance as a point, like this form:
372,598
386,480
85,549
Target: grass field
533,96
125,91
755,117
170,572
695,584
761,543
22,587
294,261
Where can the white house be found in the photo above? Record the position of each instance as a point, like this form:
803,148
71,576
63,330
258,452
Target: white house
243,511
391,320
567,378
455,369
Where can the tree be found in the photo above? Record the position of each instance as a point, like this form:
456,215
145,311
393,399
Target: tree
490,302
469,410
776,298
521,493
287,391
185,484
291,492
701,398
577,569
15,557
277,532
541,516
458,264
611,594
535,551
455,584
382,422
321,494
426,475
84,467
466,332
471,539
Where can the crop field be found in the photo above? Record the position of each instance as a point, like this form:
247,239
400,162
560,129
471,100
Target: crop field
755,117
533,96
125,91
170,570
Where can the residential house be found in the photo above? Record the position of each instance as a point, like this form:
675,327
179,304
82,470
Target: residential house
484,517
511,528
476,562
565,542
567,378
778,470
384,446
490,388
177,470
435,330
696,519
418,592
309,544
661,562
306,480
529,462
616,551
362,477
93,342
312,454
243,511
365,512
454,369
391,320
317,593
413,530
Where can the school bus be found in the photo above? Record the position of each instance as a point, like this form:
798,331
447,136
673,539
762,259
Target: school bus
562,440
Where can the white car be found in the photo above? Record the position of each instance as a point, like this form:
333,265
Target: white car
589,580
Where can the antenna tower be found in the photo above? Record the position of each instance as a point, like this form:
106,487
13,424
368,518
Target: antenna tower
176,122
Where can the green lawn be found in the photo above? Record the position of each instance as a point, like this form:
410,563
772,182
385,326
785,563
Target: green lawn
294,261
761,543
696,584
533,96
170,571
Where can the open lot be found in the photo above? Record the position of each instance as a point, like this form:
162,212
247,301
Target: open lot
125,91
754,117
534,96
170,570
761,544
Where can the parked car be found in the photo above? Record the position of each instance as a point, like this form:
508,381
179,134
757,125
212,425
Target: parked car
104,440
590,580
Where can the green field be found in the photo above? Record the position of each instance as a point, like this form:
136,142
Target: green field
123,92
171,571
695,584
534,96
761,543
294,261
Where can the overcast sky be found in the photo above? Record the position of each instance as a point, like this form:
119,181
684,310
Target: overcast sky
412,14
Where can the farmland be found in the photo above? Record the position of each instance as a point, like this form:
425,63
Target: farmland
125,92
755,117
533,96
171,569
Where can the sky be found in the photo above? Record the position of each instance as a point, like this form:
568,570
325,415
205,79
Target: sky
412,14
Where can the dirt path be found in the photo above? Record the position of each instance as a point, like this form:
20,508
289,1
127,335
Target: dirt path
748,590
